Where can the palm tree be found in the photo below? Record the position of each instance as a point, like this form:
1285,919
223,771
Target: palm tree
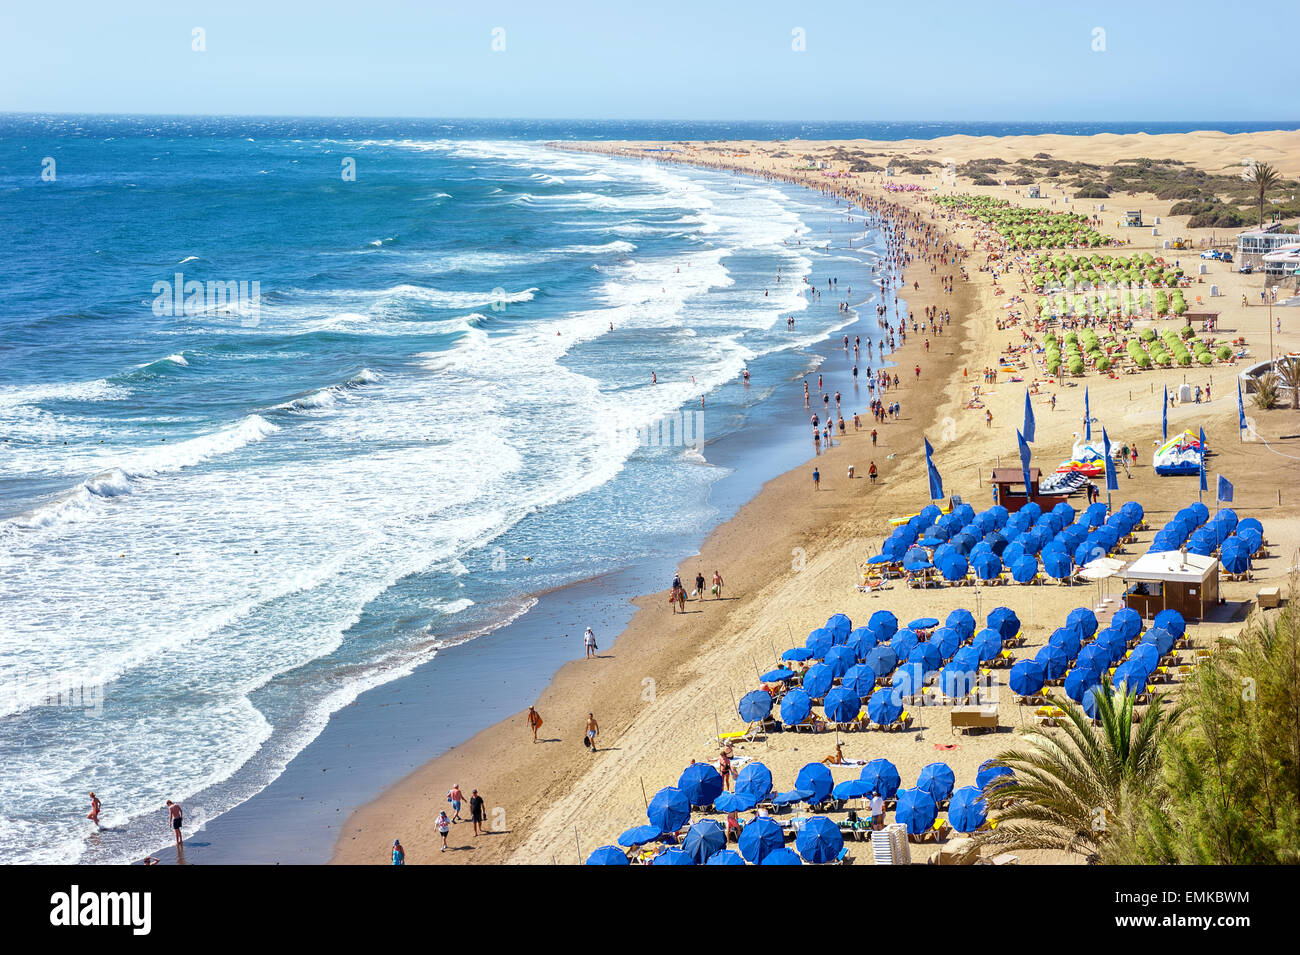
1288,376
1264,177
1076,793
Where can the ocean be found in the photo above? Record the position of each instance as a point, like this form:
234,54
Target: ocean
291,407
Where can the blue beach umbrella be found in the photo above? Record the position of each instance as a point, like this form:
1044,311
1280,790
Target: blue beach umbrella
1147,655
1251,538
883,624
760,837
782,856
1160,638
839,659
703,839
987,566
795,707
923,623
792,796
1127,621
957,679
953,567
1095,656
927,656
672,856
999,514
840,626
903,642
988,644
754,779
860,641
639,835
860,679
882,660
968,658
797,653
726,857
780,674
1057,564
755,705
1089,700
1027,677
1004,621
908,680
1067,638
1094,514
819,840
1024,570
701,783
1079,680
916,810
817,681
851,789
1083,618
883,708
1250,523
1235,556
607,855
735,802
961,620
937,779
842,705
669,809
819,641
1054,661
882,776
1015,550
946,640
967,811
989,771
816,779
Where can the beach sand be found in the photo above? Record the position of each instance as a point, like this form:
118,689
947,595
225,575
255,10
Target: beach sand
790,557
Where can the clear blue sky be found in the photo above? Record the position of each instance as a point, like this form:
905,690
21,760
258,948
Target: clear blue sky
706,59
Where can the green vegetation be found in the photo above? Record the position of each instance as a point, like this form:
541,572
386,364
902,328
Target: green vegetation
1212,780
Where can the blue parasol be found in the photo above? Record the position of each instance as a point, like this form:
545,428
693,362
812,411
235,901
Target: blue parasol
883,708
816,779
735,802
669,809
842,705
937,779
704,839
755,705
639,835
701,783
672,857
882,776
795,707
778,675
1027,677
819,840
754,779
726,857
989,771
760,837
782,856
916,810
967,811
607,855
818,680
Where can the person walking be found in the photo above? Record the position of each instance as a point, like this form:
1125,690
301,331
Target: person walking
872,472
454,796
717,586
817,480
93,815
477,812
589,641
534,721
443,825
699,586
177,817
593,728
399,854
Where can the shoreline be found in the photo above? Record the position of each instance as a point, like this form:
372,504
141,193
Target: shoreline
504,744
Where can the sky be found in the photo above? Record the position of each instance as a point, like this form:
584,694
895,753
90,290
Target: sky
663,59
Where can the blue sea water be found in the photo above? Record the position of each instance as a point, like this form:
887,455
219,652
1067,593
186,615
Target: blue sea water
429,401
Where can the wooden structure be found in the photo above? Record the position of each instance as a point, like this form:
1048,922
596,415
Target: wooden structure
974,718
1172,580
1133,218
1010,485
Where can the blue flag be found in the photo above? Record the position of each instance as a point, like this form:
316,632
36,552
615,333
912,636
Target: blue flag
1112,479
1024,462
1225,490
1164,417
1241,410
1087,417
1204,485
936,482
1029,418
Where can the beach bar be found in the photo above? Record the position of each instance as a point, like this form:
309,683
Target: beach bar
1172,580
1010,485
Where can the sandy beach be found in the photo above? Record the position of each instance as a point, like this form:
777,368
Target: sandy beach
791,556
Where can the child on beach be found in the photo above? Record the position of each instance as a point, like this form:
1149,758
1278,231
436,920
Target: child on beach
93,815
399,854
534,721
444,826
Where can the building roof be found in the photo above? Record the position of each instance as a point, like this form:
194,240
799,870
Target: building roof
1172,566
1013,475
